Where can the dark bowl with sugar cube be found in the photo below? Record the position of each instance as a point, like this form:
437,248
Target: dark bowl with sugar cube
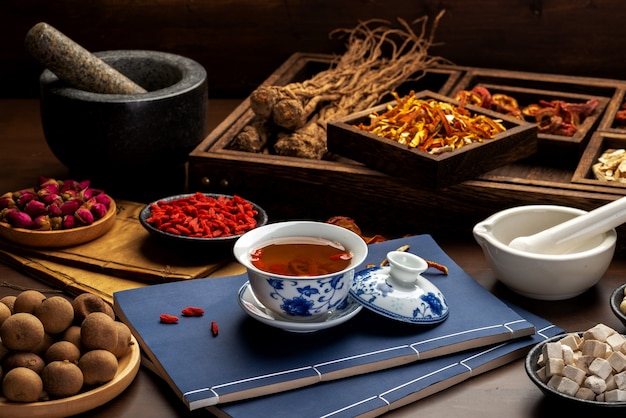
532,367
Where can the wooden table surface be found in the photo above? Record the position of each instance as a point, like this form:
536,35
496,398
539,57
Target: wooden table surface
507,391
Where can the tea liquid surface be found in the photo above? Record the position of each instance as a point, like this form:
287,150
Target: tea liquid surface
304,256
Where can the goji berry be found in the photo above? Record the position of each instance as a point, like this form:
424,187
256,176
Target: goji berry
204,216
192,311
214,329
168,319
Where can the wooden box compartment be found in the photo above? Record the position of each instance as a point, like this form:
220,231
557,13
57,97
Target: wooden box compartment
600,142
529,88
609,123
431,170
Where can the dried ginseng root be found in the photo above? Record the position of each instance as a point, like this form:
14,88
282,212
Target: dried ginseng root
611,166
431,125
290,120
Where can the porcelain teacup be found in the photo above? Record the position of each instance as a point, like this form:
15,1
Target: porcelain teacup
307,297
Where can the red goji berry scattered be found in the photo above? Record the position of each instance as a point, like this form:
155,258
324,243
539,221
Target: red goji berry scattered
192,311
214,329
168,319
199,215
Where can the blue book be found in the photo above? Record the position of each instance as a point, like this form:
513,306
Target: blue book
249,358
376,393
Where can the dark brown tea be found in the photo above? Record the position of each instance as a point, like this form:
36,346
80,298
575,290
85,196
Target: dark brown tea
303,256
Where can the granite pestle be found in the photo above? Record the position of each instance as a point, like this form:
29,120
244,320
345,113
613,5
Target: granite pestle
74,64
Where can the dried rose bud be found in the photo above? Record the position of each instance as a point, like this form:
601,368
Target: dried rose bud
69,186
54,209
90,192
35,208
69,222
98,210
69,194
23,197
7,201
56,222
69,207
83,216
42,223
48,196
18,219
83,185
104,199
48,186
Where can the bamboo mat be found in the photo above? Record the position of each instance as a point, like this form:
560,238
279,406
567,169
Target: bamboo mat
125,257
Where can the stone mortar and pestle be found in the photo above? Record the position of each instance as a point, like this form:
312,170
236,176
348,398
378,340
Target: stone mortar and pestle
126,119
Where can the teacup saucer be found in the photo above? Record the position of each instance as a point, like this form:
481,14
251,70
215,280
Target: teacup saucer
250,304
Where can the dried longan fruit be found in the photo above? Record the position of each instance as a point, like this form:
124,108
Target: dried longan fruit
22,384
86,303
123,339
27,301
55,313
9,301
4,351
46,342
98,367
62,350
23,359
5,312
62,379
22,332
72,334
98,330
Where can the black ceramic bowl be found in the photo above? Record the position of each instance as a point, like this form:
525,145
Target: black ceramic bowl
616,299
532,367
223,244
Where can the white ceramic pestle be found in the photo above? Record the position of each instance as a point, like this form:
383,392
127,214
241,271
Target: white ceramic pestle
567,236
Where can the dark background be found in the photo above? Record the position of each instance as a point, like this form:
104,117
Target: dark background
241,42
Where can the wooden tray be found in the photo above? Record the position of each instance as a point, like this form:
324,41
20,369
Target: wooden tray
433,171
292,188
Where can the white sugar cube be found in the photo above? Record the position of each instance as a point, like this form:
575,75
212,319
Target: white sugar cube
601,368
595,383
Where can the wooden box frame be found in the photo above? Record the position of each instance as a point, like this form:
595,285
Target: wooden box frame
379,202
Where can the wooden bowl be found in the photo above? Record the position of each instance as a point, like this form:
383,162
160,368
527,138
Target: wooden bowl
127,370
60,238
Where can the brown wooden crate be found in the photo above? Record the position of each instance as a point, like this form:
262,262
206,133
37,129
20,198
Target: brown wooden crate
293,188
424,169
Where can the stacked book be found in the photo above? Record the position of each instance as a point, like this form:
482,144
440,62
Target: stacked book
363,367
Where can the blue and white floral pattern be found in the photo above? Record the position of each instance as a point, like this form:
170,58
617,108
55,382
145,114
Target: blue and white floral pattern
423,303
303,298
